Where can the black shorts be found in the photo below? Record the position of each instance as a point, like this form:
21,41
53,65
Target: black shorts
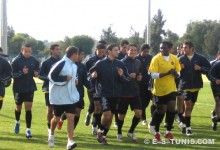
60,109
135,103
187,95
215,90
109,104
163,100
80,103
47,99
23,97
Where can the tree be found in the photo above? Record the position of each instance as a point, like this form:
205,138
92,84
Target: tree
172,37
109,36
205,36
135,38
83,42
157,31
17,40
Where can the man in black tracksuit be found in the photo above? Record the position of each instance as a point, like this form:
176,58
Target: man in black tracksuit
110,74
43,75
130,93
145,94
193,66
5,78
94,104
214,76
24,68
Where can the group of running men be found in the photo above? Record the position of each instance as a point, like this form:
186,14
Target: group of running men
115,77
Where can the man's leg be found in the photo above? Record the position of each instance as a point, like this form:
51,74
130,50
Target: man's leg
28,117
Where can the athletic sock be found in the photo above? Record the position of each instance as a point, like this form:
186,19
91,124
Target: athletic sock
76,120
134,123
17,115
180,116
63,116
170,119
187,120
157,119
28,117
120,124
48,125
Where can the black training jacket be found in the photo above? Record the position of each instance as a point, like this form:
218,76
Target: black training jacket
24,83
131,88
44,71
82,79
5,74
189,77
109,83
145,62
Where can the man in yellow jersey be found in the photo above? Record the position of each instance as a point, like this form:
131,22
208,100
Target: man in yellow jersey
193,66
164,68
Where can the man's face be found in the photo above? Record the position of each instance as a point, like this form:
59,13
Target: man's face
56,52
114,52
164,49
145,52
186,49
74,57
26,51
100,52
132,52
124,48
80,56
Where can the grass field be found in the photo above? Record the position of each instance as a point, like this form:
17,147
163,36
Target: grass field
201,125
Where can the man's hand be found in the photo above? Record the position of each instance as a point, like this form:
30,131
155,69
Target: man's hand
94,74
69,78
197,67
139,77
76,82
35,73
120,72
25,70
132,75
217,81
182,66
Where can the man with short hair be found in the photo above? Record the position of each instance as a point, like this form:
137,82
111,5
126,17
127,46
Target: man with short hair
193,66
94,101
164,68
5,78
123,49
43,75
24,68
110,74
214,86
130,93
145,94
63,94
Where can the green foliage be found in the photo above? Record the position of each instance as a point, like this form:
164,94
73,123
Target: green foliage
157,31
18,39
205,36
83,42
135,38
109,36
172,37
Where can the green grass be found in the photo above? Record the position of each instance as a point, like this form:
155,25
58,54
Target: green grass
201,125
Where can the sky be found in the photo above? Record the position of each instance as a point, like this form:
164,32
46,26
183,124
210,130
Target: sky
52,20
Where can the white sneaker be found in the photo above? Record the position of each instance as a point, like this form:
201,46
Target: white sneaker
151,129
115,124
51,140
94,130
144,122
177,119
132,136
119,137
71,145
